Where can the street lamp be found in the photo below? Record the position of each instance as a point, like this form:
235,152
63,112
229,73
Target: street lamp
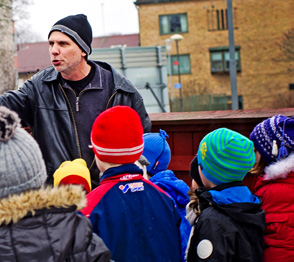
168,48
177,38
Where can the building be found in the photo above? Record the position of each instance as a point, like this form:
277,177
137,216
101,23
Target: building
265,79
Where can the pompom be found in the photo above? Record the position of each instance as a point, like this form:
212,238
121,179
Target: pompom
283,152
163,134
275,148
9,121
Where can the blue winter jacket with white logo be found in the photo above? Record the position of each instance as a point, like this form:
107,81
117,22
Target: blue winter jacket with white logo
136,219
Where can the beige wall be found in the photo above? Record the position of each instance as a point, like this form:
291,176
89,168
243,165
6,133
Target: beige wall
262,82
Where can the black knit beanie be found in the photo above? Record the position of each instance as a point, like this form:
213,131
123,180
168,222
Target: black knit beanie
78,29
194,172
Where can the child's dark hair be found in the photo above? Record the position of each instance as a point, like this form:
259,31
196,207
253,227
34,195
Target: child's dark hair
258,168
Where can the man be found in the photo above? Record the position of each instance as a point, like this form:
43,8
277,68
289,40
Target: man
61,102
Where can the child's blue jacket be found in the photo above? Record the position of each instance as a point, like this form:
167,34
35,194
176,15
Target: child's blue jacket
178,190
136,219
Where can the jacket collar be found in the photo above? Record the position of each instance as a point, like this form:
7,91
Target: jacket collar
50,74
205,197
243,212
120,81
15,207
120,170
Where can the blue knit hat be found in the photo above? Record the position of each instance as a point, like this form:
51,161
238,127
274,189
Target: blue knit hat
273,138
225,156
157,151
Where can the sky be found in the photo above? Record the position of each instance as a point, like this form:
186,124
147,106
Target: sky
105,16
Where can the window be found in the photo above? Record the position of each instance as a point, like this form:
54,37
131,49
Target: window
184,64
176,23
217,19
220,59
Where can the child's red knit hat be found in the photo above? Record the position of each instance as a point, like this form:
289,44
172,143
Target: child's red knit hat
117,135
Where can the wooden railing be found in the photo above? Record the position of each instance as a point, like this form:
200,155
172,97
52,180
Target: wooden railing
186,129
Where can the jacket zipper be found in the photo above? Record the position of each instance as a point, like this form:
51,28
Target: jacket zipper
73,119
78,100
77,104
110,99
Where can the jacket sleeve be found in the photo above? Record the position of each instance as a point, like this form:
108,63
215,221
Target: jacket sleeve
97,250
87,245
20,101
211,241
141,110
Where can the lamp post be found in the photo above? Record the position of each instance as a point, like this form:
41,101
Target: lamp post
168,48
177,38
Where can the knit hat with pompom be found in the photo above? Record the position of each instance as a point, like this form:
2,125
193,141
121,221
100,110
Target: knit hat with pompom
21,163
273,138
157,151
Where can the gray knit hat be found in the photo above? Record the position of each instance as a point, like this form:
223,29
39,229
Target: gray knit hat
21,163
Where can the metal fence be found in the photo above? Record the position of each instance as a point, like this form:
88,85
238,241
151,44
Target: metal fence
202,103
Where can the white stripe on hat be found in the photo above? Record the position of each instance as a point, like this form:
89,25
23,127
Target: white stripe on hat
118,151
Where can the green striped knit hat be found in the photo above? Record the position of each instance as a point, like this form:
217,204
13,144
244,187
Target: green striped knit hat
225,156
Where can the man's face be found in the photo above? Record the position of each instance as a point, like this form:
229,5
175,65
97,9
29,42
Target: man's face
66,56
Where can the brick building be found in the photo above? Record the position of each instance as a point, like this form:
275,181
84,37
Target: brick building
264,79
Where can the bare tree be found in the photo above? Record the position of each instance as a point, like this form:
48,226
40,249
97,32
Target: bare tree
10,11
7,71
23,32
286,46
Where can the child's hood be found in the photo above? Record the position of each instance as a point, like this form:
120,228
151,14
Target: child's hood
236,201
280,169
17,206
175,187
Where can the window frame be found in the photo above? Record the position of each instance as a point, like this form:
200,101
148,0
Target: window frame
169,31
223,51
174,58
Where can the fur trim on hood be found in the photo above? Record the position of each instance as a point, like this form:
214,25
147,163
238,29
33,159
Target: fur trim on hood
280,169
15,207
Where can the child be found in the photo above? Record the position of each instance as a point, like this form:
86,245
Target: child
73,172
192,208
157,152
37,223
136,219
231,224
274,145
